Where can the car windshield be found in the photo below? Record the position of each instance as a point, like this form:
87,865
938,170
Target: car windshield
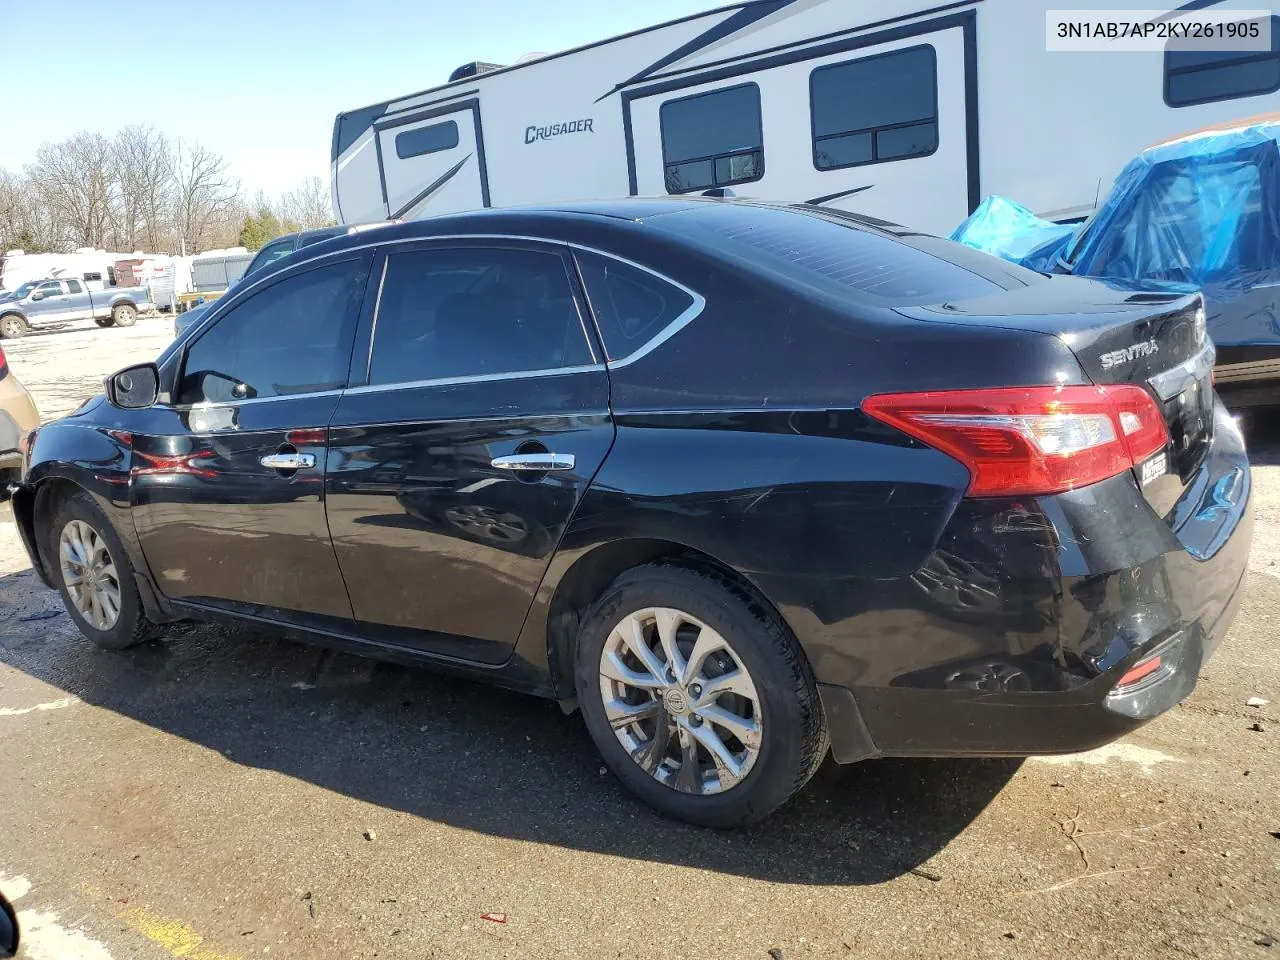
22,291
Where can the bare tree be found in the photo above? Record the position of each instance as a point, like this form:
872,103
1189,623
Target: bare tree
22,225
308,206
74,181
145,166
206,197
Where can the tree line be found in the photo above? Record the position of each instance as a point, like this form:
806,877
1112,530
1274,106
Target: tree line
139,190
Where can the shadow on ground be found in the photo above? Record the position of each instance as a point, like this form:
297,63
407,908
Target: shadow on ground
476,757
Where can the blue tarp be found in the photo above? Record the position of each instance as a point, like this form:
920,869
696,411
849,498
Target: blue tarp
1009,230
1200,212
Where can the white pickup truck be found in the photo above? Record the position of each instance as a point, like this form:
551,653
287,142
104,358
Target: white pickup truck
52,303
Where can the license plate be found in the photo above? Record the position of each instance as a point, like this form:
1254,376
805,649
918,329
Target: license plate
1154,468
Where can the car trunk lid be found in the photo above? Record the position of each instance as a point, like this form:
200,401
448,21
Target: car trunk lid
1118,335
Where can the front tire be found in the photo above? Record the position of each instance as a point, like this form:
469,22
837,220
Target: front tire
103,321
13,326
697,696
94,575
124,315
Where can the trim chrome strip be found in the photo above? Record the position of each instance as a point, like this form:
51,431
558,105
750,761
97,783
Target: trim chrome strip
674,327
373,326
475,378
218,404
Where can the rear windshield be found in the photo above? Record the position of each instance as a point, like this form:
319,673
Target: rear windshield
835,256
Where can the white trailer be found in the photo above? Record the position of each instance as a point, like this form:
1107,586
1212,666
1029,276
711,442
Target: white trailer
95,267
901,109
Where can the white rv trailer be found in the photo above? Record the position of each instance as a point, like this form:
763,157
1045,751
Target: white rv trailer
95,267
908,110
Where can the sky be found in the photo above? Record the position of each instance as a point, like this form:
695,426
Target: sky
260,81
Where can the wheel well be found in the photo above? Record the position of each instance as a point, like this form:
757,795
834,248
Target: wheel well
123,303
48,494
591,575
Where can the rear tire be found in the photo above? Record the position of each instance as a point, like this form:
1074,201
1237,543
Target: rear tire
103,321
89,563
750,748
124,315
13,326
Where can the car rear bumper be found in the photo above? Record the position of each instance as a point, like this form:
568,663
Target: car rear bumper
1012,639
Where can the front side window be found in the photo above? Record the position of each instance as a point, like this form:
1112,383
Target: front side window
876,109
712,139
52,288
432,139
475,311
73,286
1206,76
631,305
293,337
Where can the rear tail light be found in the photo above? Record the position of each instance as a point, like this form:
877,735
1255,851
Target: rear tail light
1031,440
4,364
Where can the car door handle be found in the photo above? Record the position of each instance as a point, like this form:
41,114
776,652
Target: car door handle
535,461
288,461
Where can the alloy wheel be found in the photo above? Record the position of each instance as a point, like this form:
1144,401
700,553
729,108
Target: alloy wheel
680,701
89,574
12,328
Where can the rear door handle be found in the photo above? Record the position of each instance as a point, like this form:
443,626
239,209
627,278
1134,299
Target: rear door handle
288,461
535,461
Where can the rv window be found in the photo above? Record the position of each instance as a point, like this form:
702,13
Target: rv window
1205,76
475,311
876,109
712,139
73,286
631,305
432,139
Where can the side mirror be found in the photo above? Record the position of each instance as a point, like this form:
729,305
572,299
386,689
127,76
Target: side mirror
37,296
134,388
8,930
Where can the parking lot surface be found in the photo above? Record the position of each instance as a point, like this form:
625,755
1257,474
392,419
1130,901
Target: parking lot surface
224,794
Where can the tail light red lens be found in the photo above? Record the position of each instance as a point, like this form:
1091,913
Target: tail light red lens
4,364
1031,440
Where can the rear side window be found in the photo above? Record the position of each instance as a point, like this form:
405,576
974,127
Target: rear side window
74,286
432,139
1206,76
93,277
876,109
712,139
631,306
829,254
473,312
293,337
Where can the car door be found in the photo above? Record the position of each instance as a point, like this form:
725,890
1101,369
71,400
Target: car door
47,303
227,482
456,465
78,304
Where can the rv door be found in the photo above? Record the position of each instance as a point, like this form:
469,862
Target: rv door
432,161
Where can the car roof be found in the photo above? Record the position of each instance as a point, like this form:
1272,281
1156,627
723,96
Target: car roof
562,221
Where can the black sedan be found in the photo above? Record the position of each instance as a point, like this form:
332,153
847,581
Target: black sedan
745,484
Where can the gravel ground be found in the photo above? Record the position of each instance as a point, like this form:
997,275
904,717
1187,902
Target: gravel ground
224,794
